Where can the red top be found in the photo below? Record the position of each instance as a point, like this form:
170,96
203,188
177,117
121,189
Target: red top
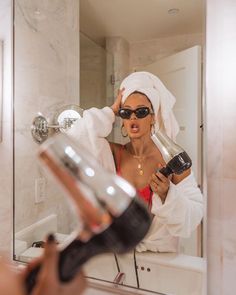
145,193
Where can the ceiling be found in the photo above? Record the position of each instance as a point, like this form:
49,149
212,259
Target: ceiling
139,20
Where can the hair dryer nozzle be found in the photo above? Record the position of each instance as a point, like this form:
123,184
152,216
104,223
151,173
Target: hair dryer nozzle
177,160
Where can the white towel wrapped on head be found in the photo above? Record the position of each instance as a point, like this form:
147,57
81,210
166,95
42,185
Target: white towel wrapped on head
161,98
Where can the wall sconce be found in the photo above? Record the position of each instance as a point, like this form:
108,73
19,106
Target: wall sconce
64,119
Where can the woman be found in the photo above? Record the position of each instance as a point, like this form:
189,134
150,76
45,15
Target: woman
145,104
138,160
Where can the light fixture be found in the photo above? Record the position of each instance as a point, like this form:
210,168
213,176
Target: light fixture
173,11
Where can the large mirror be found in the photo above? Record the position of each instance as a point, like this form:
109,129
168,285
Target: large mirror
77,53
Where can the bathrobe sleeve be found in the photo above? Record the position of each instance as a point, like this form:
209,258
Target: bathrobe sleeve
182,211
91,131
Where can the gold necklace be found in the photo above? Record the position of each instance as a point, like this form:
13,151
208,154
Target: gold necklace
140,163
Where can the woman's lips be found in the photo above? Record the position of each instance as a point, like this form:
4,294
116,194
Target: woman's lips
134,128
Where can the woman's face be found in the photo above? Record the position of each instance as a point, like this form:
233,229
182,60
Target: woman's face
138,127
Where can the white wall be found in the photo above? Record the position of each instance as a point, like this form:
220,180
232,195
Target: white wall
147,52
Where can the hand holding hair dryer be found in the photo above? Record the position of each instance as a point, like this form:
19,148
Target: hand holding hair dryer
177,160
114,218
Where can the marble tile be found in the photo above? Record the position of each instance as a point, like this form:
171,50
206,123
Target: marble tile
120,50
94,69
221,143
214,254
214,188
6,152
46,77
229,139
228,200
228,276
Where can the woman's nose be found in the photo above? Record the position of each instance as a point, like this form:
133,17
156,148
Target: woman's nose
133,116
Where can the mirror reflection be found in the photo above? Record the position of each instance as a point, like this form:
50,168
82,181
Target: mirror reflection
157,60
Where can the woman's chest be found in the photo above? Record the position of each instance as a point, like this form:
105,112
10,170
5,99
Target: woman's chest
138,170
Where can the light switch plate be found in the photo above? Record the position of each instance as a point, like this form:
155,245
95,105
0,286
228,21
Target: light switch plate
40,185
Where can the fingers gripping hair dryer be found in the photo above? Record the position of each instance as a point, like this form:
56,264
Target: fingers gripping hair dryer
114,219
177,160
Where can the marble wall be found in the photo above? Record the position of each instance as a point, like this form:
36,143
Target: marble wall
221,145
146,52
46,77
96,68
6,151
119,48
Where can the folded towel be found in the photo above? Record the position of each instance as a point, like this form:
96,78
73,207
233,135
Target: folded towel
161,98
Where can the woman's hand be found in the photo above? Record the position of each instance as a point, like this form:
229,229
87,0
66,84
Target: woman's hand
10,282
117,103
160,184
47,280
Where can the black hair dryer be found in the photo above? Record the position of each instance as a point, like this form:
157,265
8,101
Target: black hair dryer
177,160
114,219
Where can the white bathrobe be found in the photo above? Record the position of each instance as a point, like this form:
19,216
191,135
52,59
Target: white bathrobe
183,208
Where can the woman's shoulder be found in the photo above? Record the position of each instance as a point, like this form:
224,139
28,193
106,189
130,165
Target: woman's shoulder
116,149
115,146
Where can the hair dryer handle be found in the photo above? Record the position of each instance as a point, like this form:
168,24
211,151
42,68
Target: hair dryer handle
70,261
166,171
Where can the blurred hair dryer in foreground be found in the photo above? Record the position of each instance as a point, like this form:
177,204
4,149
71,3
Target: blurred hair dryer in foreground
177,160
114,219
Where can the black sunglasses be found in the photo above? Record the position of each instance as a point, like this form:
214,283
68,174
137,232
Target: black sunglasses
140,113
